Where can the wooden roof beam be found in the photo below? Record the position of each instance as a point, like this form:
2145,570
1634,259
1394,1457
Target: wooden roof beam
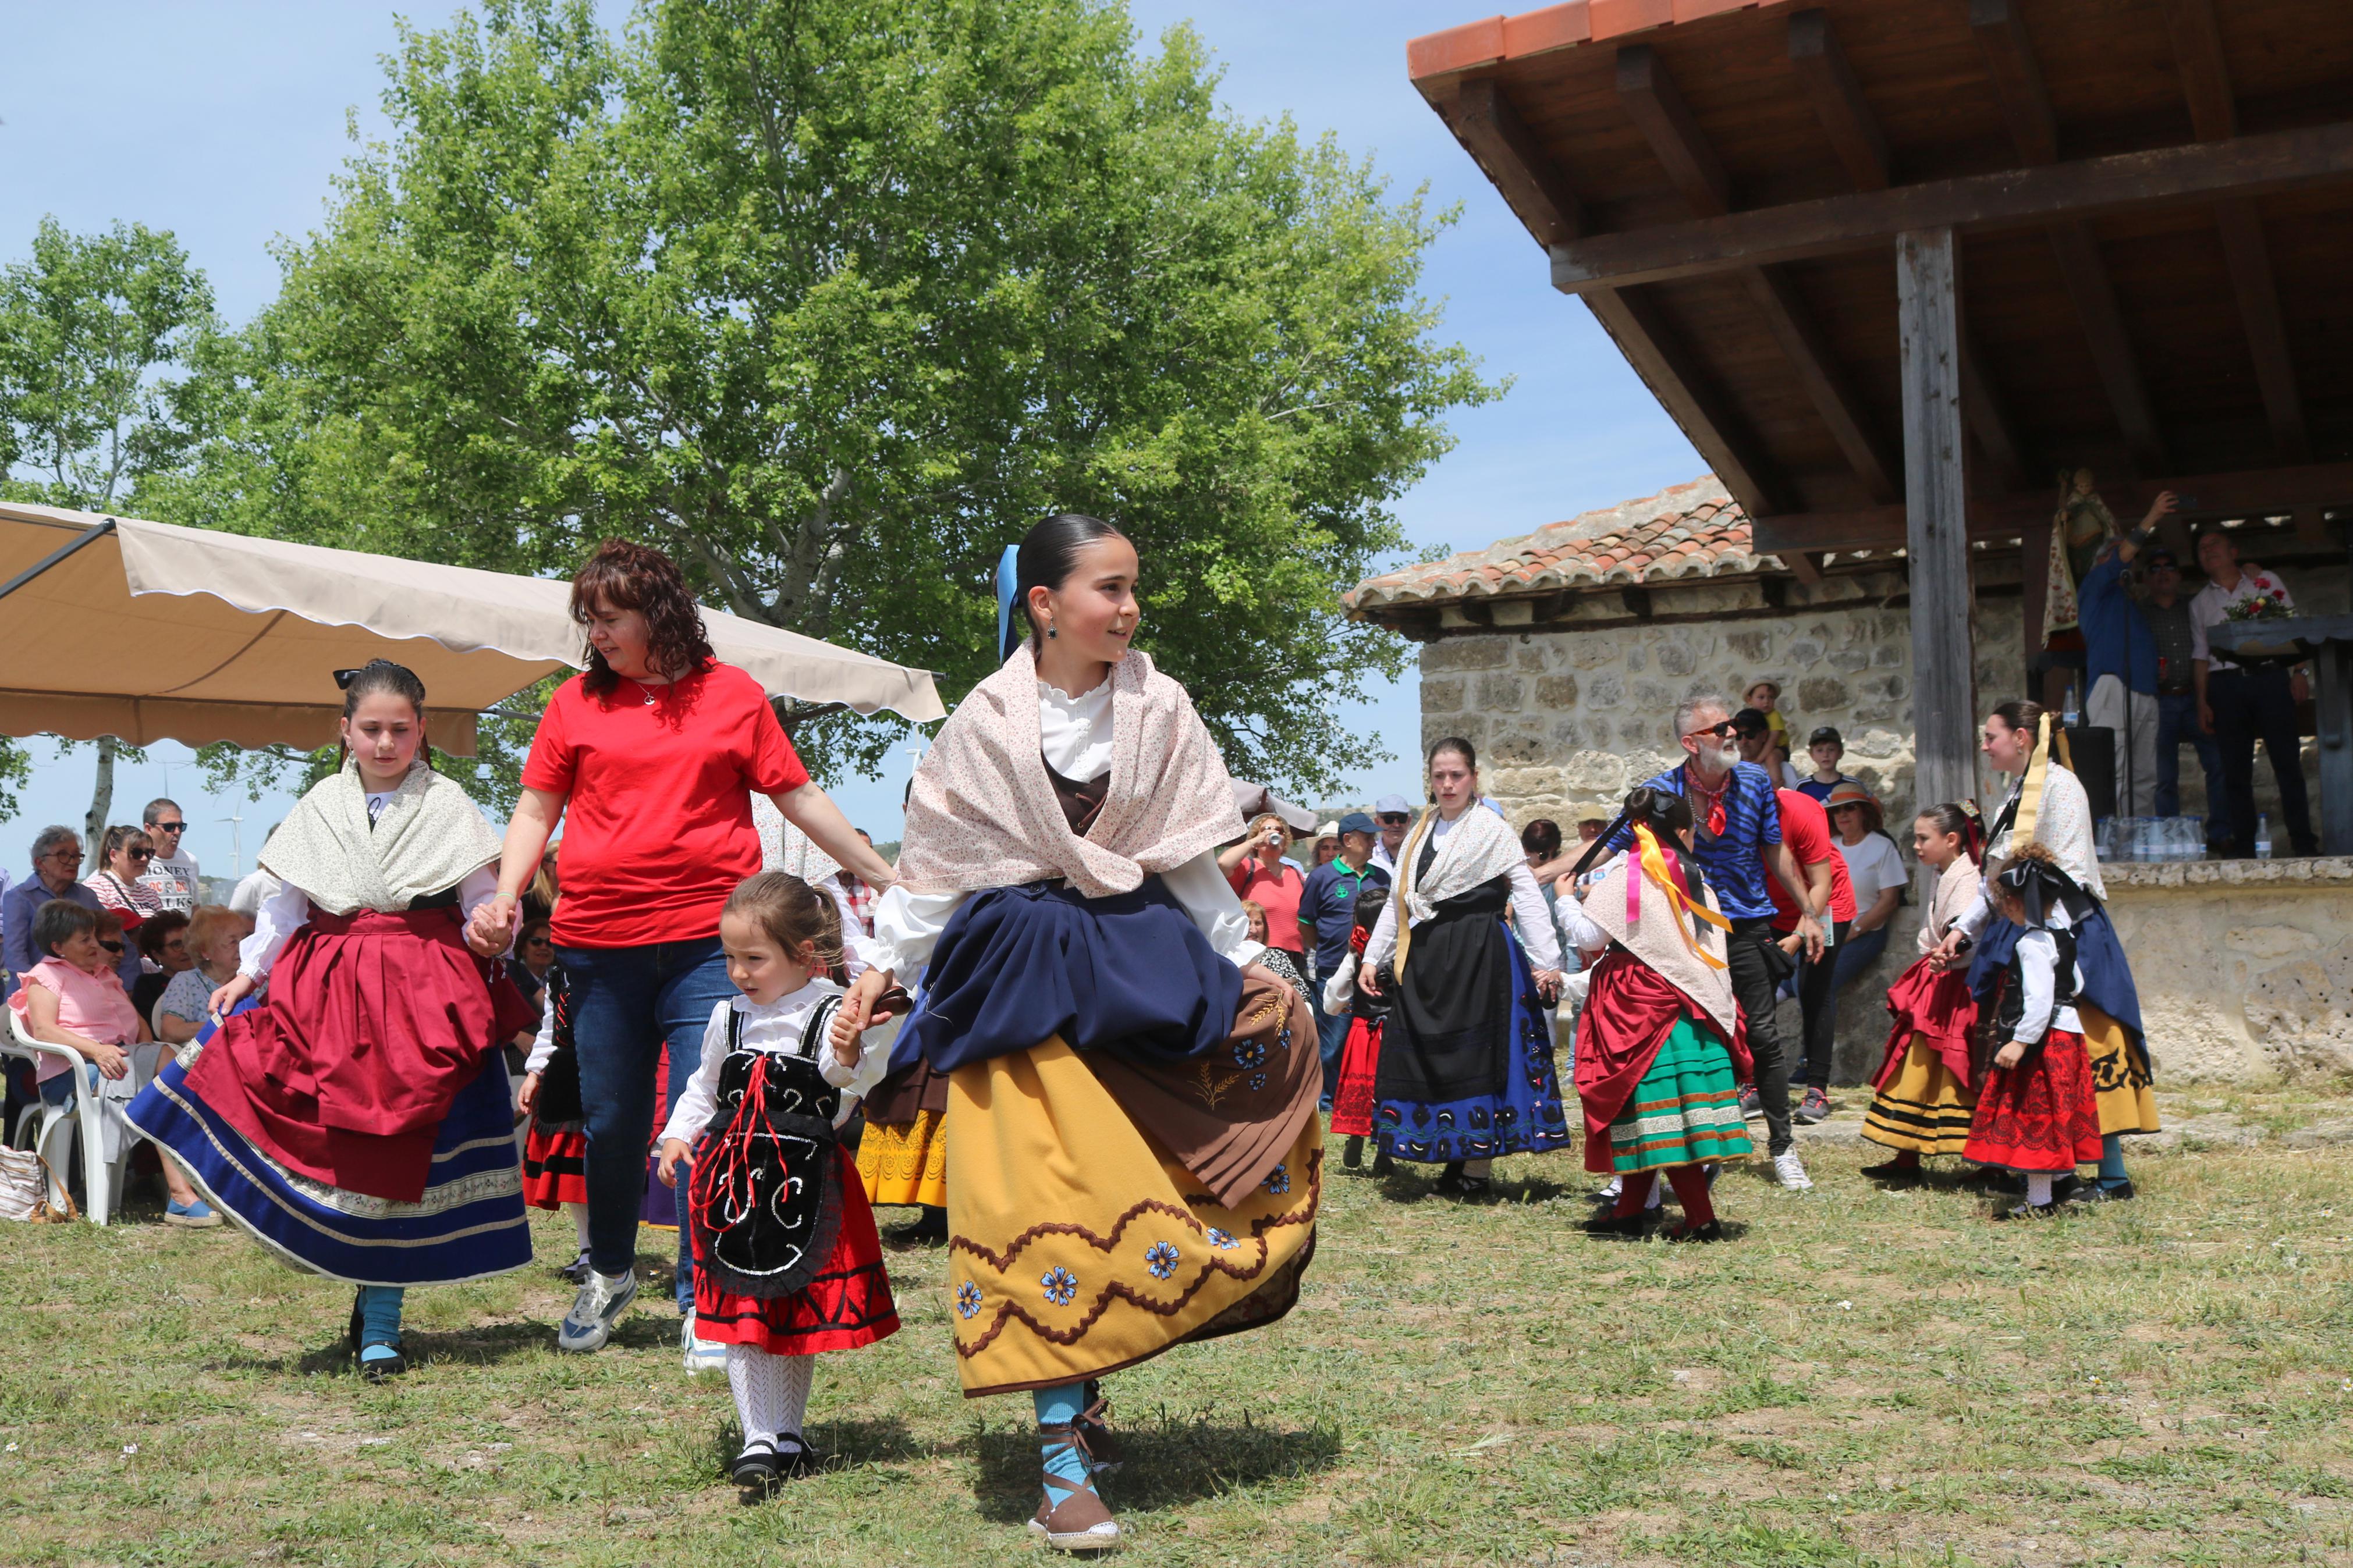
1666,122
1837,99
1488,125
2214,117
2025,102
2009,198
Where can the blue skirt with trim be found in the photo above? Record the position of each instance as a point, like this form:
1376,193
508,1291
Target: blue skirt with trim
1527,1118
470,1222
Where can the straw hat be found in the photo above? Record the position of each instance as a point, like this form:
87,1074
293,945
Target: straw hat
1849,792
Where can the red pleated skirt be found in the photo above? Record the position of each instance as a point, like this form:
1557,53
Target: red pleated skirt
1360,1060
2040,1115
554,1167
375,1022
1937,1005
847,1304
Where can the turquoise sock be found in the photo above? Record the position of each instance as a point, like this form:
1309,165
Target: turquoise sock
1058,1407
380,1322
2112,1161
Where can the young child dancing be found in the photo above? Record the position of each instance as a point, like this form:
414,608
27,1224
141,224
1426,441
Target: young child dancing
1925,1089
1360,1054
2035,1113
555,1150
787,1260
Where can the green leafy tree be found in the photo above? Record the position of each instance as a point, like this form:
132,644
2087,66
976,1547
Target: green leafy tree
832,299
88,326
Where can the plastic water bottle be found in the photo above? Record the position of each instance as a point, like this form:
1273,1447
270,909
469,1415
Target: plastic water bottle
2068,715
2263,835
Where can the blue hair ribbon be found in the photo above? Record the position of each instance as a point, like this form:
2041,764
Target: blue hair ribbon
1008,579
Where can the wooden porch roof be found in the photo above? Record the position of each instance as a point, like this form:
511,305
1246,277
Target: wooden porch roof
2154,200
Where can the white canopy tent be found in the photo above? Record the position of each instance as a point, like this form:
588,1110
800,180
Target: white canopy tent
148,631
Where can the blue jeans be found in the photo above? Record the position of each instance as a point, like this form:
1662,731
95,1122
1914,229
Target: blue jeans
59,1089
1331,1037
2176,721
1849,959
626,1001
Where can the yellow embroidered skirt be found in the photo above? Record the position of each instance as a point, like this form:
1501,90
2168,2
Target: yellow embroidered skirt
2120,1075
1924,1107
1076,1244
906,1161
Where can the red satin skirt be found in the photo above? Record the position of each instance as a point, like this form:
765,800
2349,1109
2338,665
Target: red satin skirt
2040,1115
1360,1060
1936,1006
375,1022
555,1166
847,1304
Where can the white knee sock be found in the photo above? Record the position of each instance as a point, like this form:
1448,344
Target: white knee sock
770,1391
1658,1193
2038,1188
579,1212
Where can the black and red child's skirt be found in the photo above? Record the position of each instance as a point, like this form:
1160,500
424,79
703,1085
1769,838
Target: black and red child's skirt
847,1304
1353,1098
555,1164
2040,1115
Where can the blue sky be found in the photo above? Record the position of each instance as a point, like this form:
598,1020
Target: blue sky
225,122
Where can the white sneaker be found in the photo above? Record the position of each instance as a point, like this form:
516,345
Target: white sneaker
602,1299
1790,1172
702,1354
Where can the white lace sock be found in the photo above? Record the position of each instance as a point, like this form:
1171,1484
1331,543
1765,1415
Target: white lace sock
2038,1188
1658,1193
579,1212
771,1392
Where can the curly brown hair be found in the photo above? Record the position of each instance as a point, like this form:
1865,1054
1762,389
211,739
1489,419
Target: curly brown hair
639,577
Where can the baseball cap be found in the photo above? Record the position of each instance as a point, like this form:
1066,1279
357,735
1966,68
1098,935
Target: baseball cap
1826,736
1751,721
2153,559
1393,806
1358,822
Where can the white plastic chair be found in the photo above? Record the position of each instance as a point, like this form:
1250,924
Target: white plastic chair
53,1127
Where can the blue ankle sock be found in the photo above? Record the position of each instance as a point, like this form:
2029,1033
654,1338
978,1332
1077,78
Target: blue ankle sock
2112,1161
1057,1407
380,1322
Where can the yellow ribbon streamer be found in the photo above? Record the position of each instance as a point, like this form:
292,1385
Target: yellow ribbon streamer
1653,863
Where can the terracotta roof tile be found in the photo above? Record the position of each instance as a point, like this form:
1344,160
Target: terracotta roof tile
1694,530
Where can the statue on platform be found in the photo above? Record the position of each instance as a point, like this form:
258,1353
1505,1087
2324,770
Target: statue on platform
2080,529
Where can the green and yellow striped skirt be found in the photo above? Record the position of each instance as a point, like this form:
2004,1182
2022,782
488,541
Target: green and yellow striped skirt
1686,1109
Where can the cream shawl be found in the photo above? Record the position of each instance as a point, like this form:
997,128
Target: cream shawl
1478,847
1655,939
984,814
430,837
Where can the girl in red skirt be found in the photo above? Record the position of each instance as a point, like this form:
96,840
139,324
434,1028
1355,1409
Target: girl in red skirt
1360,1056
787,1260
1925,1086
555,1149
2035,1112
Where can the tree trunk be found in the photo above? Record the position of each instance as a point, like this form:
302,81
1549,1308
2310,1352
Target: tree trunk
102,802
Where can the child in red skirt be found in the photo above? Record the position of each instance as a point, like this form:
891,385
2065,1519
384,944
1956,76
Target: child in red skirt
555,1149
787,1260
2035,1112
1360,1054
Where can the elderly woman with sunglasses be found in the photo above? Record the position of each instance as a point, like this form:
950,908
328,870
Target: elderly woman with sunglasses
123,855
57,862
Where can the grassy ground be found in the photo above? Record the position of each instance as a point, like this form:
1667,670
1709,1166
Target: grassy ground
1859,1377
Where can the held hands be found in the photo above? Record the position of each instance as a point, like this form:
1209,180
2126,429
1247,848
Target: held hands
238,988
2010,1055
849,1019
493,929
1548,984
673,1150
1367,981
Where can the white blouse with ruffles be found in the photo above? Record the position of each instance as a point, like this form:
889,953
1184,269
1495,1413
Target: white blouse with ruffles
1075,732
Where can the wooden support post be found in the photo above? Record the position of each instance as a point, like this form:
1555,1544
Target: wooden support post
1935,494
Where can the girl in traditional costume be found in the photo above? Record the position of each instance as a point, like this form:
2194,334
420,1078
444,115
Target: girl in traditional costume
2048,806
359,1122
1134,1157
555,1149
2035,1113
1466,1068
1925,1090
787,1261
1354,1099
1661,1050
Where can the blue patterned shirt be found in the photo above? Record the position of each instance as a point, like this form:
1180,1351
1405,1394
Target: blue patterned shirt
1752,820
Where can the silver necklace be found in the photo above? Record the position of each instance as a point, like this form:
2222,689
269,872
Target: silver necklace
643,690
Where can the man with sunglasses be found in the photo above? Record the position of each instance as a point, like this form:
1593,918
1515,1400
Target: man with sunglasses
1737,838
1394,812
56,860
173,871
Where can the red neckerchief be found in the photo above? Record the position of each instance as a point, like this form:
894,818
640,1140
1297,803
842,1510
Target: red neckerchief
1714,798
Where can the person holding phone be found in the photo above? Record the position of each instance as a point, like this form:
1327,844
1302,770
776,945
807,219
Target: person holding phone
1260,874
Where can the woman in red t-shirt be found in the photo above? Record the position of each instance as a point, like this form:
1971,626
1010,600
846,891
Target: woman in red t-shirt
1256,869
650,757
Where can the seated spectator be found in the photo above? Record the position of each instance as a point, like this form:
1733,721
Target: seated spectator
173,871
1765,696
1876,870
1753,735
212,935
124,855
535,956
56,862
1826,750
73,997
1259,873
162,942
1275,959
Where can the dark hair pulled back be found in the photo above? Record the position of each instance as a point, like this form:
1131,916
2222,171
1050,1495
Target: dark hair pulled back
2022,713
1953,817
382,675
627,576
1541,837
796,916
118,838
1460,747
1047,556
1660,810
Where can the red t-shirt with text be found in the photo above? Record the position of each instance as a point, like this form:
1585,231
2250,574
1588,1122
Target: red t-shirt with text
1806,829
657,825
